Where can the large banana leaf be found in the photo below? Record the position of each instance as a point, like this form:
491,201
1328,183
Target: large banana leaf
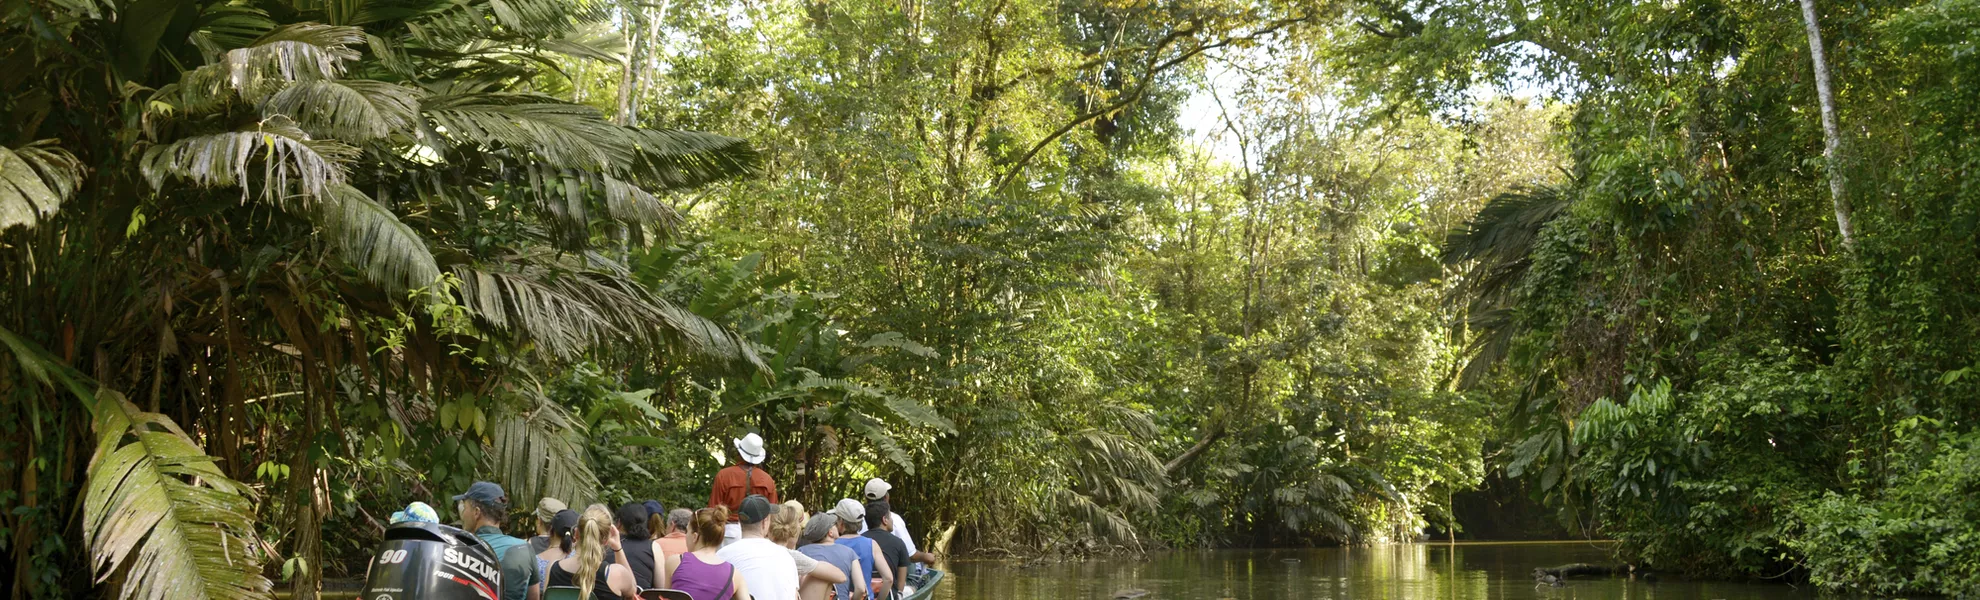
158,515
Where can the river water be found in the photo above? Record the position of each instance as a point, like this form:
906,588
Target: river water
1465,571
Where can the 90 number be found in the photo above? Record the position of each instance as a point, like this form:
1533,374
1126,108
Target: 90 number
390,557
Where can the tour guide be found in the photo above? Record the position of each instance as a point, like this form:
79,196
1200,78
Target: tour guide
741,480
482,509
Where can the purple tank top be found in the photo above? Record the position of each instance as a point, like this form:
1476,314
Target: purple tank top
703,581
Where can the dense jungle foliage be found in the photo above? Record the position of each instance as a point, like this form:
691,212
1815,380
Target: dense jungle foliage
1075,275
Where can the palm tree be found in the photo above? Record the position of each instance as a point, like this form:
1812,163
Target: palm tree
319,204
1495,248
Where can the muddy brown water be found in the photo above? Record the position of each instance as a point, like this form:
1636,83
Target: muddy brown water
1464,571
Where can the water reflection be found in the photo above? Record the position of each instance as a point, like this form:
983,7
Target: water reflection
1474,571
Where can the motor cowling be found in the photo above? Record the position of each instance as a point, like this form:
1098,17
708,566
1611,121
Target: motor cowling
427,561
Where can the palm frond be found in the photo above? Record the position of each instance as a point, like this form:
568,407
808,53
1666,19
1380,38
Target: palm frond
599,43
158,514
34,182
627,202
1497,242
353,110
1505,229
541,18
564,135
661,324
919,415
524,308
882,441
669,159
389,54
568,311
225,26
371,238
538,450
287,156
1116,469
295,52
458,24
524,21
1105,522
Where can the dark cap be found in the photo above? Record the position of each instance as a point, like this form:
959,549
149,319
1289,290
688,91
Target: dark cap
485,493
653,508
754,509
564,521
816,528
632,519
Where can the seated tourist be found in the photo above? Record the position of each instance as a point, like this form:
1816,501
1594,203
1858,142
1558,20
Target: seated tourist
879,489
546,509
587,570
879,529
701,571
677,524
765,566
638,544
815,578
816,541
562,527
483,508
852,520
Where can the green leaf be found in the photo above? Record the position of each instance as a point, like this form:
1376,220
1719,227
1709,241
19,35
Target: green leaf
638,400
354,110
290,160
882,442
291,53
919,415
538,449
895,339
159,514
374,240
644,441
34,182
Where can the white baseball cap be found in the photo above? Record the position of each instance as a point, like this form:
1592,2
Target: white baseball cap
877,488
850,510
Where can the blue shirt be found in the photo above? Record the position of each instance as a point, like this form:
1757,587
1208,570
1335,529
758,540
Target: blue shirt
838,556
518,568
864,549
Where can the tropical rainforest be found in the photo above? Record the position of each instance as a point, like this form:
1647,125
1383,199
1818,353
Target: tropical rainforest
1083,276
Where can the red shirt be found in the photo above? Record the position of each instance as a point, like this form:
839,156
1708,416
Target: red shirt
729,491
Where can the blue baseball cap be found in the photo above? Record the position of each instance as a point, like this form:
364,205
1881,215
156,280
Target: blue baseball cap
485,493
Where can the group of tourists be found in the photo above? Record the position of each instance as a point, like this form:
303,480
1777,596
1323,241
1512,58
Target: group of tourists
743,545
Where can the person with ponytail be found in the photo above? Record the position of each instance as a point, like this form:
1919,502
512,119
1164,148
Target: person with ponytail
558,532
586,569
701,572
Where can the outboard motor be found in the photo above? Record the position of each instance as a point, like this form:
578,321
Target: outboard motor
427,561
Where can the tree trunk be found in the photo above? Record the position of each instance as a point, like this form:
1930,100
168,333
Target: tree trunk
1832,150
629,76
647,64
1190,455
308,521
